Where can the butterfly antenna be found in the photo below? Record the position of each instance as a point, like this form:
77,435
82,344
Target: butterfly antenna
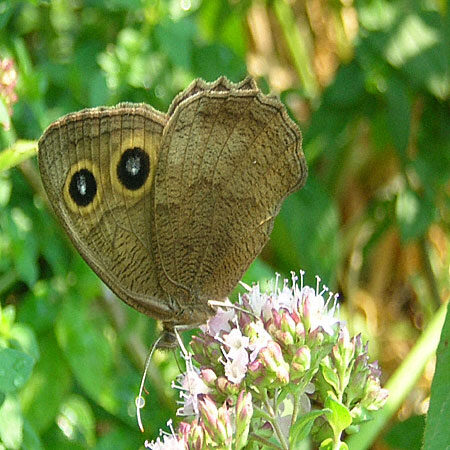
140,401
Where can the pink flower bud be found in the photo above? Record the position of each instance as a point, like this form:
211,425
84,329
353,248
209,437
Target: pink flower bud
208,376
222,384
285,337
224,426
256,372
300,331
276,318
244,413
209,414
288,323
196,438
184,429
255,366
272,359
301,361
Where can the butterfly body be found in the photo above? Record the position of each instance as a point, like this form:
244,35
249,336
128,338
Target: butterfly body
171,209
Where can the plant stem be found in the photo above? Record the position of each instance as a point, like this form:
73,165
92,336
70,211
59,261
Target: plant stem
298,394
262,413
266,443
274,421
18,152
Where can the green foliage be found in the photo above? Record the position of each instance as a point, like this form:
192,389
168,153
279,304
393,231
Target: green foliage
21,151
375,135
302,427
408,434
437,419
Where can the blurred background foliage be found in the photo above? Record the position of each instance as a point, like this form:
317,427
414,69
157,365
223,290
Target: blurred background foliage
366,80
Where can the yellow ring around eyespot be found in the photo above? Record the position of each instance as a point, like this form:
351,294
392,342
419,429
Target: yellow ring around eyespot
115,180
88,209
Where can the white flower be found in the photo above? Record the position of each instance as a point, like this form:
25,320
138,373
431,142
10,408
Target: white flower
190,386
284,299
269,304
316,312
236,341
236,367
256,300
220,321
168,442
263,337
236,357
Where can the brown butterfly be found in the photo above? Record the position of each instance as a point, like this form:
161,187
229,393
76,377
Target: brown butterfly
170,209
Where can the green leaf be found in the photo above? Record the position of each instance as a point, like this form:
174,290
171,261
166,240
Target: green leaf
25,339
20,151
25,255
224,22
31,440
438,418
377,14
119,438
339,418
98,90
328,444
5,120
414,214
45,393
348,87
88,352
7,10
5,189
11,423
121,5
15,369
399,113
306,233
214,60
302,427
7,318
78,419
330,377
175,39
39,307
416,46
406,435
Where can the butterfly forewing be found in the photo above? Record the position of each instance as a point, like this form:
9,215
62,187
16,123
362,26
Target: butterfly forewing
228,158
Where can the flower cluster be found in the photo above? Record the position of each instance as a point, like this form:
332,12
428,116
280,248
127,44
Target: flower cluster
274,369
8,96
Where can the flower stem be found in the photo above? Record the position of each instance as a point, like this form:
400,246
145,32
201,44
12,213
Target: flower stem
298,395
262,413
274,421
337,441
263,441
